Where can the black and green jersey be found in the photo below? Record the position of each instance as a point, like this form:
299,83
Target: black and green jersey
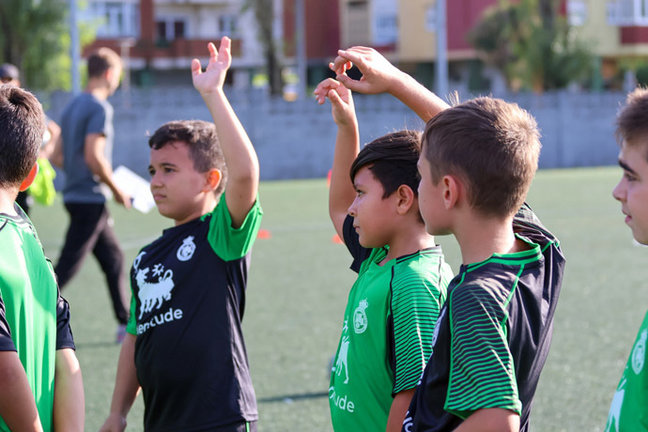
34,318
386,332
493,334
186,311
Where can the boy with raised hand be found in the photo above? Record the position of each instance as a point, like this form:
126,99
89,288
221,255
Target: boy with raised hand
402,276
628,409
41,387
477,162
185,345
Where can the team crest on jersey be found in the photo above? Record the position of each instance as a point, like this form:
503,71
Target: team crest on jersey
153,293
186,249
360,321
639,353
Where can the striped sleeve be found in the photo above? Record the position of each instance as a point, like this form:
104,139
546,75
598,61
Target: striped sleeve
415,304
482,373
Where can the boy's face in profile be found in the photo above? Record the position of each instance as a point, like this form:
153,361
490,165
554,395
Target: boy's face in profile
372,215
632,189
178,189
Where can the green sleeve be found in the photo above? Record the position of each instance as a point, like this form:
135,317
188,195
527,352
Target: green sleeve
233,243
131,327
415,304
482,372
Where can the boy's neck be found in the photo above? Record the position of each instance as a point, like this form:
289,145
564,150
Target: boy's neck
411,239
207,206
7,199
480,237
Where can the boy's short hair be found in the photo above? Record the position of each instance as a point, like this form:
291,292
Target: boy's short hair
101,60
492,145
22,125
201,140
632,121
392,160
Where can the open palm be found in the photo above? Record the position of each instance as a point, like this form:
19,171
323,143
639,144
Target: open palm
219,62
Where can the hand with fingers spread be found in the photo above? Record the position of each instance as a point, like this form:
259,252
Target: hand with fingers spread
378,74
342,107
213,77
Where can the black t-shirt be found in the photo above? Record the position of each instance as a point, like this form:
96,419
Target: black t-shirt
187,307
493,334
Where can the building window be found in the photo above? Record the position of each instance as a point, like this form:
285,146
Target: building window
228,25
627,12
169,29
117,18
576,12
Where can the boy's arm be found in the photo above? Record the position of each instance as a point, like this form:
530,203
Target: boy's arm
93,152
17,405
398,410
126,387
240,157
491,419
69,402
56,158
380,76
347,147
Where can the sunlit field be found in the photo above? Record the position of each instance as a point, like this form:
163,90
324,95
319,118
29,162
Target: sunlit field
299,282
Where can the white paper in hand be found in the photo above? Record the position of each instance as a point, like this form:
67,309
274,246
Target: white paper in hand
136,187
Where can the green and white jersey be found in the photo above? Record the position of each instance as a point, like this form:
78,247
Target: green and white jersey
29,310
386,334
629,408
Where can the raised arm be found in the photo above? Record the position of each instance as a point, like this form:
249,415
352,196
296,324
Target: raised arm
93,153
240,157
69,402
347,147
380,76
126,388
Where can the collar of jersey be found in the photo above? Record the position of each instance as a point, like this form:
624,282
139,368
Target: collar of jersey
533,254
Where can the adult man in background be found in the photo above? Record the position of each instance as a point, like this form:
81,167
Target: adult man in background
85,154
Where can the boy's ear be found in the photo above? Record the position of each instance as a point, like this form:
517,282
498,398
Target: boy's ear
406,198
29,179
452,189
214,177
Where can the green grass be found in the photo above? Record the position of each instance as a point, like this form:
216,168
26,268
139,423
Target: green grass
299,282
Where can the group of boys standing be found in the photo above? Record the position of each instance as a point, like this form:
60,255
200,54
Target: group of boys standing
420,350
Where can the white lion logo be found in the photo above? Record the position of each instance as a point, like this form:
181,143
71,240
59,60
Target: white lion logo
151,293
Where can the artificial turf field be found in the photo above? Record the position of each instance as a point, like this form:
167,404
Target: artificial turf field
299,281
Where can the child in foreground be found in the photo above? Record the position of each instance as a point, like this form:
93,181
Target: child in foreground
402,275
41,388
185,345
477,162
628,409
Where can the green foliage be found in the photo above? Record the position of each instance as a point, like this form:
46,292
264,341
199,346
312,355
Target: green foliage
35,36
531,45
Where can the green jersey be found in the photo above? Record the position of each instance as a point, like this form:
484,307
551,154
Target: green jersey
386,335
28,309
628,410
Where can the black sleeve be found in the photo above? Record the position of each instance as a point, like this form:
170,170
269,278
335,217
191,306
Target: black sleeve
527,224
64,338
6,343
352,243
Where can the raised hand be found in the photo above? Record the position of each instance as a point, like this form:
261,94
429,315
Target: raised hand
342,107
378,74
213,77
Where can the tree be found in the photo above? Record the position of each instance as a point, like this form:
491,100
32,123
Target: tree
264,14
35,38
531,45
